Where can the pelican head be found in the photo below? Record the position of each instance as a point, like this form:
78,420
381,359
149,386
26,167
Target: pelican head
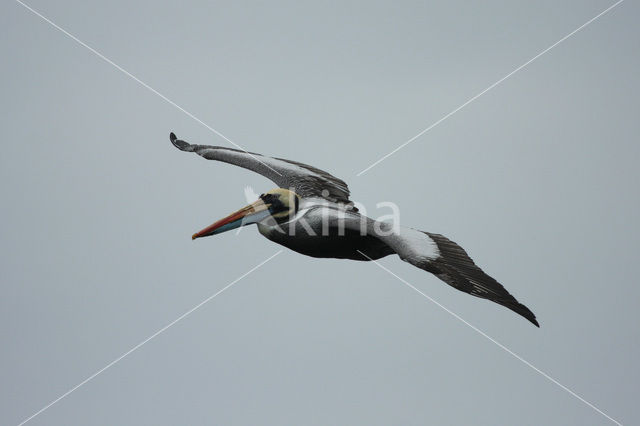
279,204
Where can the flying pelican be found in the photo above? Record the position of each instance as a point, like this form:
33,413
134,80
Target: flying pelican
311,213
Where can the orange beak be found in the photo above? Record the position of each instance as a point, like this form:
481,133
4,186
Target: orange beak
252,213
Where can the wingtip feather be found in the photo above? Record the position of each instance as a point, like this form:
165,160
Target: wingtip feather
526,313
180,144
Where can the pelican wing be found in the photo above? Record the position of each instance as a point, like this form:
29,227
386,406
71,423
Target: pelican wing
451,263
306,181
442,257
455,267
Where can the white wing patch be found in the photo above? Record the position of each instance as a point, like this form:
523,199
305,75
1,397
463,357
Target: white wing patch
417,245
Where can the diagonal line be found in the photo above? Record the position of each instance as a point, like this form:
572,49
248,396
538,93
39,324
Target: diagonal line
142,83
495,341
136,347
490,87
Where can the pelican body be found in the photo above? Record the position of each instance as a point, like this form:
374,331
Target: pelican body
310,213
315,231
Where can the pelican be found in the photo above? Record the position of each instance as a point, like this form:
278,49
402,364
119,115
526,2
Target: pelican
310,213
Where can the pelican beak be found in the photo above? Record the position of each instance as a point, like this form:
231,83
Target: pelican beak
252,213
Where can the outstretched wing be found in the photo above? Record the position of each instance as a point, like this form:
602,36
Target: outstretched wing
440,256
454,266
306,181
449,262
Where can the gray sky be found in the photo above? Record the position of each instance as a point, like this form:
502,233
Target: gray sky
537,179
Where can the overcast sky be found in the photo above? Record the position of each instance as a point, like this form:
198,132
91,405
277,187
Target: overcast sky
537,180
